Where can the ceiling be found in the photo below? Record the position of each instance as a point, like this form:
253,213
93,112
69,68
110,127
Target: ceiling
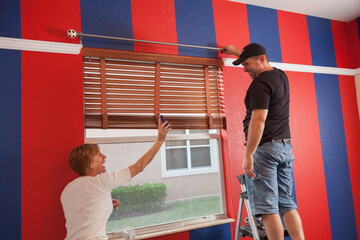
342,10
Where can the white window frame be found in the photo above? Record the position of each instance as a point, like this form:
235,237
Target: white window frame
99,136
214,154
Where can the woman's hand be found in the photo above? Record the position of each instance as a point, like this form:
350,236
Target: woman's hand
140,165
163,129
116,203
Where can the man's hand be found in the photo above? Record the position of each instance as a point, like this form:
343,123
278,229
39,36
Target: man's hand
248,166
116,203
232,50
255,131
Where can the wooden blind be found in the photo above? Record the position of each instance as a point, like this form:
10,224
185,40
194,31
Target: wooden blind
129,90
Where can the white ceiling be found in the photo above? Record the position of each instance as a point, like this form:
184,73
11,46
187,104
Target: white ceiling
342,10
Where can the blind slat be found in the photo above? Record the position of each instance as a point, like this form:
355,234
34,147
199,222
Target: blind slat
149,122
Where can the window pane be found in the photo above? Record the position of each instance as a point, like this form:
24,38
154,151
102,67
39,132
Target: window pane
200,142
177,131
200,157
176,158
185,195
175,143
197,131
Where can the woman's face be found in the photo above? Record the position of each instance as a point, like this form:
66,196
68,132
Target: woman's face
97,164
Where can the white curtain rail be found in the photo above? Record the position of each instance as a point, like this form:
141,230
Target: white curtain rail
72,34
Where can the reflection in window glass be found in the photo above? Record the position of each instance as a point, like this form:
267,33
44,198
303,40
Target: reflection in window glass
176,158
177,131
200,142
199,154
197,131
200,157
175,143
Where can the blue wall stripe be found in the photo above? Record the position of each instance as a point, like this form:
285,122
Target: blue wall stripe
10,144
112,18
10,20
358,27
321,41
219,232
195,26
264,29
334,151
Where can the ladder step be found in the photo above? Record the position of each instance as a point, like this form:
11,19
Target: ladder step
245,230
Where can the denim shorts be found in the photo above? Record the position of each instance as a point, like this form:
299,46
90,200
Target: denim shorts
270,191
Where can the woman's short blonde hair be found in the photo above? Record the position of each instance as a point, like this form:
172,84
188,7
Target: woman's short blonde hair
81,157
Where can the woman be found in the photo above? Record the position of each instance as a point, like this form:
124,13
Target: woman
86,201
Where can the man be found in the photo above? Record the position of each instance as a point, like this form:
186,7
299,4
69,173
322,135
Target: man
268,154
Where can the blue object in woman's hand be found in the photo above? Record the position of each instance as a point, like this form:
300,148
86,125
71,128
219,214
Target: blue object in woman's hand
162,119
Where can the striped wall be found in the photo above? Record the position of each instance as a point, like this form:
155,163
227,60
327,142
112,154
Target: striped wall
294,35
42,106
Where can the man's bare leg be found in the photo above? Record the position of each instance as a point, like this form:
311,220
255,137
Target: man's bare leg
273,226
293,225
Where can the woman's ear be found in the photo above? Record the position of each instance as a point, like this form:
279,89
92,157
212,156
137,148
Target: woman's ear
91,166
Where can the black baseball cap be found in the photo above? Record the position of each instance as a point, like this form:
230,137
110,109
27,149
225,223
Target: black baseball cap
250,50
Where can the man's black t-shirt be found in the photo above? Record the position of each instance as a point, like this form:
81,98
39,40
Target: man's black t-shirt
270,90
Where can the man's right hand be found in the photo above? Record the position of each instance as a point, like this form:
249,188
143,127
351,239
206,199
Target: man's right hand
232,50
248,166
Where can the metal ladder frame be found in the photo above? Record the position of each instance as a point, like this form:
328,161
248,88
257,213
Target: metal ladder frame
244,198
256,231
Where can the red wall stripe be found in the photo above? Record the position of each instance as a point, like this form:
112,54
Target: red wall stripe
52,124
52,116
350,110
154,21
294,39
236,83
231,27
50,20
176,236
342,53
227,173
308,165
231,24
352,135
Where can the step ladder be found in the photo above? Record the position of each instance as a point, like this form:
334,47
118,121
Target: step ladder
254,227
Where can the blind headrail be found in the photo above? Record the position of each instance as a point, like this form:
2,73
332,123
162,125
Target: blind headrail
150,57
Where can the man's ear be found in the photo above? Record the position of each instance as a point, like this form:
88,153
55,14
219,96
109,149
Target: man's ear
262,59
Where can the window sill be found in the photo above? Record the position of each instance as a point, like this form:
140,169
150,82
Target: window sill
172,228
